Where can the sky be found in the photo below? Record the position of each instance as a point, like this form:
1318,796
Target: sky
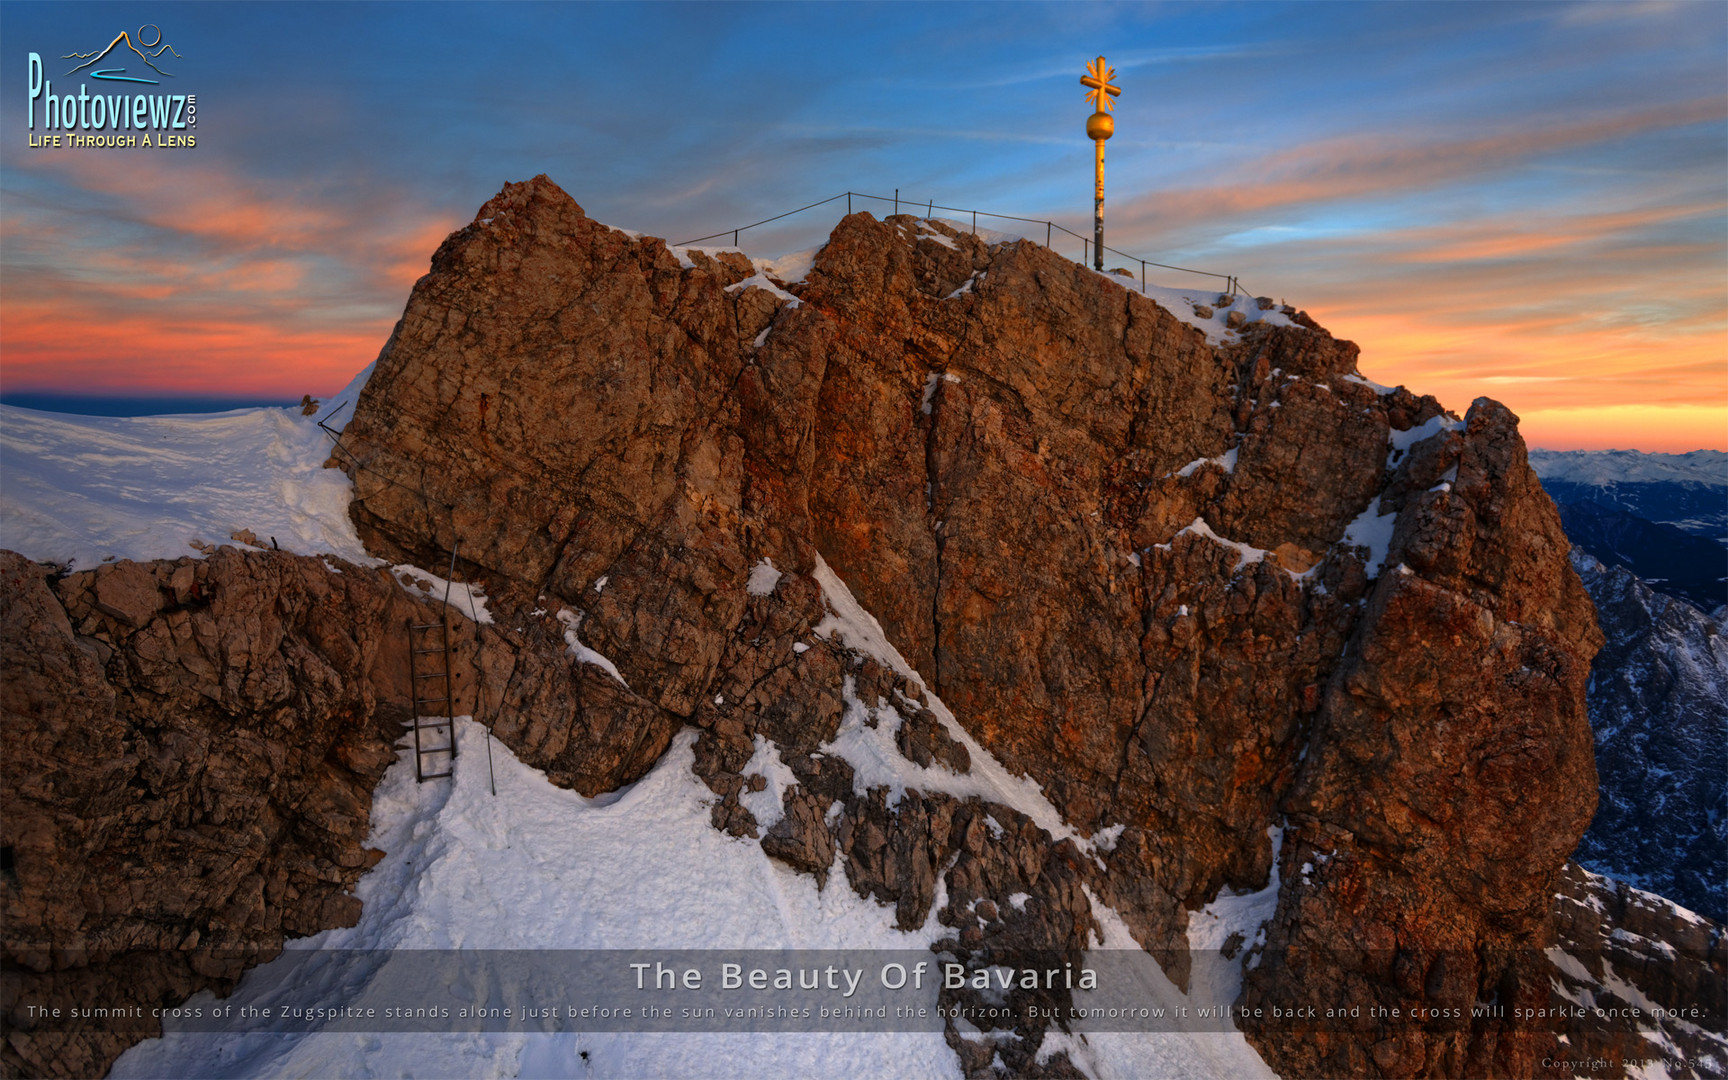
1523,201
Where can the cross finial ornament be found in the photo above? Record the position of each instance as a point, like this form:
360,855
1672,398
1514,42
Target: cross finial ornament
1099,76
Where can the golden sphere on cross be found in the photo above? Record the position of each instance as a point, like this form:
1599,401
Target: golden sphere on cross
1100,126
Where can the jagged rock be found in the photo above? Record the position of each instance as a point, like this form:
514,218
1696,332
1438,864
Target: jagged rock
1659,711
801,839
995,474
922,741
1629,953
191,752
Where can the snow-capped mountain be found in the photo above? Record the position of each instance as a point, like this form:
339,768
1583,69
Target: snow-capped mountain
1668,560
1688,491
1658,702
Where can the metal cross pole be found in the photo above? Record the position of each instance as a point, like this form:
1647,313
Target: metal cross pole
1099,127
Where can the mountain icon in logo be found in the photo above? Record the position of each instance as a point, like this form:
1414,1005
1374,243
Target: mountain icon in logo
118,74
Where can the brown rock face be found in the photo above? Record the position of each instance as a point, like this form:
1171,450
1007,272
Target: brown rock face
191,749
1445,768
1117,552
1629,954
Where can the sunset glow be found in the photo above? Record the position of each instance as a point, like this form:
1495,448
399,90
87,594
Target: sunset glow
1524,202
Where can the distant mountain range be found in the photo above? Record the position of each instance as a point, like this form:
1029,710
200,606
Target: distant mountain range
1677,563
1687,491
1658,702
1664,517
1648,533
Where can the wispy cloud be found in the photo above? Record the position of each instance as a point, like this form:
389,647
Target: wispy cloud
1381,165
183,279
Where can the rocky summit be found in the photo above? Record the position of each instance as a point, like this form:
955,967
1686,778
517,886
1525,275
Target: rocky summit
1195,591
1241,614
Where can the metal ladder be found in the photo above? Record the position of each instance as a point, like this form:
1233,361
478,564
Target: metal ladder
422,643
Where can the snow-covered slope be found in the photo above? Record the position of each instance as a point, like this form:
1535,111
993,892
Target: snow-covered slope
538,867
79,490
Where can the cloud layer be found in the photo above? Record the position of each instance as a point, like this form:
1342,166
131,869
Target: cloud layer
1521,201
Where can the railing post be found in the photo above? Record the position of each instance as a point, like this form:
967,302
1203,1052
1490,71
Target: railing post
974,223
848,204
1046,234
735,237
1142,275
896,201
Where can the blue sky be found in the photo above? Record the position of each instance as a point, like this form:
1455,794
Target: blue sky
1529,201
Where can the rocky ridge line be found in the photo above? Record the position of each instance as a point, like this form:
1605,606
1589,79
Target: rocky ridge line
1192,591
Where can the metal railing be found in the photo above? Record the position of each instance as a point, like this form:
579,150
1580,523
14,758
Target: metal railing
1232,284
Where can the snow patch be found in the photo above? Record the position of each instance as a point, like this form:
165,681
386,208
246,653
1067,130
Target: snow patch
1372,530
467,599
1225,461
768,805
1242,916
583,653
763,578
925,232
965,286
761,281
1246,554
988,779
1402,441
792,267
1107,839
1371,384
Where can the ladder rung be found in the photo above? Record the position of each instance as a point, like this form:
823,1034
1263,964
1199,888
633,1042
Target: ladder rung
437,750
432,727
433,675
429,700
425,625
423,652
436,775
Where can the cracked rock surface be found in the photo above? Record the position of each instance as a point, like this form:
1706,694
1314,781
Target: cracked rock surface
1129,560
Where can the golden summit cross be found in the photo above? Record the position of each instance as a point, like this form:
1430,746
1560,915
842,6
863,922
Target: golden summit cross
1099,126
1099,77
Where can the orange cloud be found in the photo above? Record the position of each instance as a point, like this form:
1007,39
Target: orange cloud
1592,323
213,283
